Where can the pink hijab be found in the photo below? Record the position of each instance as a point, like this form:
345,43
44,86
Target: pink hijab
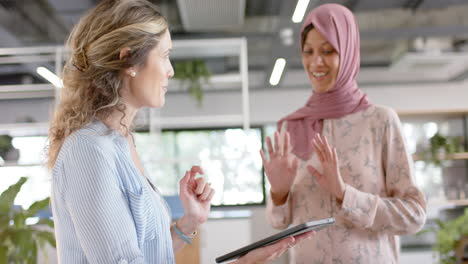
337,24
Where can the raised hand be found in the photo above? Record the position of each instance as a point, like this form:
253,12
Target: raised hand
195,196
330,178
281,169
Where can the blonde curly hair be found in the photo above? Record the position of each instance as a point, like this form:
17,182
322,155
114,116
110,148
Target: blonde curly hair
92,76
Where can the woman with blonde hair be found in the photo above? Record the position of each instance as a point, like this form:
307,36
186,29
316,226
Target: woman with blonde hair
105,208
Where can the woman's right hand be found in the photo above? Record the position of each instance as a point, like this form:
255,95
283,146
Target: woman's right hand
272,252
281,169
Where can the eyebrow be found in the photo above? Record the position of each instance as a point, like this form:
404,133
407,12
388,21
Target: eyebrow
323,43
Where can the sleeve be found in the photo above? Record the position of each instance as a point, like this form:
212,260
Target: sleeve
279,216
98,208
404,210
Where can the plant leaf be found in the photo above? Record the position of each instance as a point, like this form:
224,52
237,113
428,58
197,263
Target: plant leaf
440,223
37,206
428,230
4,222
45,221
8,196
19,219
46,236
3,255
22,240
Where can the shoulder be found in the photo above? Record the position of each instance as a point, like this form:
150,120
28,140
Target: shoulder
381,113
386,111
91,138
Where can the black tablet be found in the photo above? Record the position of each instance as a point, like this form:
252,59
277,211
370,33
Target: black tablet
293,231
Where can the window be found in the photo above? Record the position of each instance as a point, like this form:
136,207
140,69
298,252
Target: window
30,164
229,157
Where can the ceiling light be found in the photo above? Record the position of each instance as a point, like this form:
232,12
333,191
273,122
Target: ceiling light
277,71
286,35
300,10
50,76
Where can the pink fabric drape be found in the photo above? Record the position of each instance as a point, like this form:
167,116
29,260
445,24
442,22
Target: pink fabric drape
338,25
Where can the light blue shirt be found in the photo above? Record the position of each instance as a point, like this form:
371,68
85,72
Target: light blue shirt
103,208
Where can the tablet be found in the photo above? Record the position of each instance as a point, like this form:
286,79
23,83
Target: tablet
293,231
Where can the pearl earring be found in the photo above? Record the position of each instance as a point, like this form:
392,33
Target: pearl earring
133,74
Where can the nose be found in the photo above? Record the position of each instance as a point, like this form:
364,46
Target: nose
317,60
170,73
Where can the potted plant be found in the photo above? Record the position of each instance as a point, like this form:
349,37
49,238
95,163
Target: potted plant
452,237
5,145
19,242
191,73
7,151
441,147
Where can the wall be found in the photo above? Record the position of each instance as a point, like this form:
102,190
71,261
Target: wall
221,236
266,105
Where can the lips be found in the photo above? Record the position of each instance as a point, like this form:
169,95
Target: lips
319,76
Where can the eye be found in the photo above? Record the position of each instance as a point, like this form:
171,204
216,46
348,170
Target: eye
328,52
307,51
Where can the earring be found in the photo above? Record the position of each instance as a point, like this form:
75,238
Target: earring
133,74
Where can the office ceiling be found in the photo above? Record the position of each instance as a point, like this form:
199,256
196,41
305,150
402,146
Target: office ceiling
403,41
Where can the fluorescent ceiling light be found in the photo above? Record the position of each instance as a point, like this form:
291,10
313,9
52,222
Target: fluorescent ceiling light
277,71
300,10
50,76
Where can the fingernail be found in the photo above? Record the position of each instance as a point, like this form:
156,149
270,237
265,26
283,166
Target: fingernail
290,245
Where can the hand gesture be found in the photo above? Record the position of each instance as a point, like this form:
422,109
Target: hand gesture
282,167
195,195
331,178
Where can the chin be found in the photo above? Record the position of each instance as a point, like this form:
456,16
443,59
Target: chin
322,89
160,104
156,104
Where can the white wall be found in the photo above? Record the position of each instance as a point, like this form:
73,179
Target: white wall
221,236
268,105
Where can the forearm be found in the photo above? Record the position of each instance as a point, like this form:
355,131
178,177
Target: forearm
279,215
396,215
187,227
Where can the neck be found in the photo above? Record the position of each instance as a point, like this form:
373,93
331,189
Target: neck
116,122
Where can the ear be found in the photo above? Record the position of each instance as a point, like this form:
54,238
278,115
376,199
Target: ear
124,52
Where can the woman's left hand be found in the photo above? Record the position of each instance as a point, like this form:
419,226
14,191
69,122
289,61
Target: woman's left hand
195,195
330,178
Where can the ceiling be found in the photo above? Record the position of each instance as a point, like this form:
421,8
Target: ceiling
402,41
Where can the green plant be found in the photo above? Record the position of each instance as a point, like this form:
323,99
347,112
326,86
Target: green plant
441,146
19,242
449,235
192,71
5,145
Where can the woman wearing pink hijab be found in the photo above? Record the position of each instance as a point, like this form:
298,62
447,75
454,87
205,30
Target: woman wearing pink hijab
341,156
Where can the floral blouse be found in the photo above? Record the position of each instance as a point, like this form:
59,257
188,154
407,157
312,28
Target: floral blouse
381,199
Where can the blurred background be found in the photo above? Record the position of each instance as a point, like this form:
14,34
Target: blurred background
414,58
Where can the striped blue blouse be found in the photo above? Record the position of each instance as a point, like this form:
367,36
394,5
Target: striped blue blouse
103,208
